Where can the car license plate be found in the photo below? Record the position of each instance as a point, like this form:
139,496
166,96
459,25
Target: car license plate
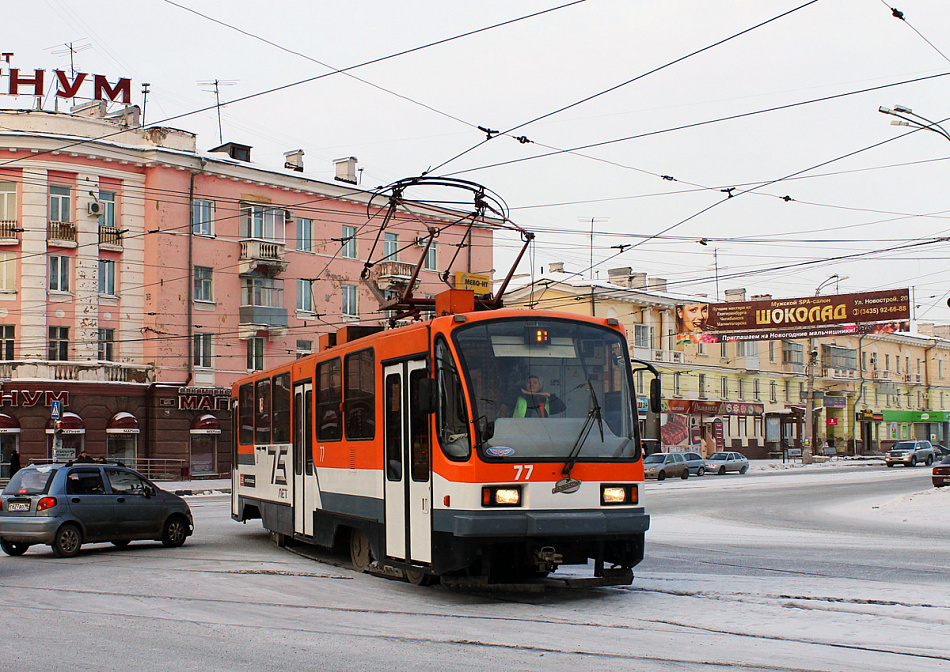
18,506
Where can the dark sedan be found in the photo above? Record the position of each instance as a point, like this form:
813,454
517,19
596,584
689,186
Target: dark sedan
941,473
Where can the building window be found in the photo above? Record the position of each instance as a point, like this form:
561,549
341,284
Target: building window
677,384
747,349
107,202
756,393
887,362
255,354
304,348
702,385
700,348
350,307
432,257
305,235
840,358
740,389
793,353
202,218
348,250
8,338
7,272
788,391
773,392
107,345
8,202
262,292
107,277
263,222
58,344
724,350
897,360
304,295
771,351
642,335
203,351
59,204
58,273
204,285
801,392
725,388
391,247
743,423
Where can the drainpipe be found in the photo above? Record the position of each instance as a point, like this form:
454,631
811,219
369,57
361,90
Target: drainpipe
854,413
927,374
189,344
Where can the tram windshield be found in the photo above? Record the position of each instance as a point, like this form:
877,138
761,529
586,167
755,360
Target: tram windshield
542,389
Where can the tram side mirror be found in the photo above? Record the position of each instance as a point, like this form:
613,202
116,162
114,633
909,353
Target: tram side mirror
655,395
426,395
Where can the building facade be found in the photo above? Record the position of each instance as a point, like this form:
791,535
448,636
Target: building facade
140,277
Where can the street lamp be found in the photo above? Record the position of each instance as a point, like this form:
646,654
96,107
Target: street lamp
906,117
810,432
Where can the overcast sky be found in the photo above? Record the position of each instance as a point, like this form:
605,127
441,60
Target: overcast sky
855,186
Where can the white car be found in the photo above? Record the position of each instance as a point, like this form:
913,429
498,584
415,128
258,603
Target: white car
720,463
910,454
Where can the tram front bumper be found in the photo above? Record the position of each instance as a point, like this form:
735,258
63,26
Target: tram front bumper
509,523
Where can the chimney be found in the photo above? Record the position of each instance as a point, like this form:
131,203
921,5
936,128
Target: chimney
760,297
236,151
619,276
735,295
926,328
637,281
556,267
346,169
293,160
657,284
941,330
94,108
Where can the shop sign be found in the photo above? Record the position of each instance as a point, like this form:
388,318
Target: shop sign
831,421
868,416
480,284
712,407
204,398
33,83
835,402
30,398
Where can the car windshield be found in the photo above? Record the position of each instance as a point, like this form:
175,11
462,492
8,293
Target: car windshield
30,481
946,460
654,458
903,445
718,456
541,389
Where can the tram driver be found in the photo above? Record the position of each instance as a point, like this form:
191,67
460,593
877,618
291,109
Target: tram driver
535,403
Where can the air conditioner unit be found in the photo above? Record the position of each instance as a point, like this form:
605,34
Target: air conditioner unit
95,208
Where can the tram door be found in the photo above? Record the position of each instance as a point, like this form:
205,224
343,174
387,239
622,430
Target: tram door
408,473
303,458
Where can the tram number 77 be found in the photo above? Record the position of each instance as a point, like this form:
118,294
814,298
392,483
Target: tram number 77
525,469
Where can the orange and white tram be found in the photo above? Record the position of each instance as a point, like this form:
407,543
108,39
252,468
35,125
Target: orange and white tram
485,446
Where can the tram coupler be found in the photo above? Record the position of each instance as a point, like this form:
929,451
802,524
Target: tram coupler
547,559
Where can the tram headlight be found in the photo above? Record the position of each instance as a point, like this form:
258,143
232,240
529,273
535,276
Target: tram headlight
618,494
505,495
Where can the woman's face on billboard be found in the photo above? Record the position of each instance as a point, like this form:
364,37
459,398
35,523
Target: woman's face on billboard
693,316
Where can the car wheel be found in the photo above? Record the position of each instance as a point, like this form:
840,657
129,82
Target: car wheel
175,532
913,461
121,543
67,541
890,464
685,474
701,471
722,470
744,469
661,476
13,548
929,461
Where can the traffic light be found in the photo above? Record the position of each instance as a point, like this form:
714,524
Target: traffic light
58,427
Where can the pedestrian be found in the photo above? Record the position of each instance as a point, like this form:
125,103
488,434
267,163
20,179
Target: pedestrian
84,457
14,462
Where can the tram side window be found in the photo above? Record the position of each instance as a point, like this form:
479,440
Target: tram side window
359,407
246,414
451,413
329,397
263,411
419,422
393,424
281,403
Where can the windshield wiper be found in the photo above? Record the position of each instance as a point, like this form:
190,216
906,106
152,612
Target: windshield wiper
593,414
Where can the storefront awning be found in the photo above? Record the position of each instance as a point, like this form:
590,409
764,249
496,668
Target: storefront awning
8,425
123,423
206,424
71,424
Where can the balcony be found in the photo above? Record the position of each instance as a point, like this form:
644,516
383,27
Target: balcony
110,238
96,372
393,275
254,319
793,367
9,232
912,377
839,374
266,256
62,232
671,356
881,375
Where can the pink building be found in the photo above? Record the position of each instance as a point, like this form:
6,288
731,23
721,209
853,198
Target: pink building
139,278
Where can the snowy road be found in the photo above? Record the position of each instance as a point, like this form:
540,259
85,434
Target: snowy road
767,571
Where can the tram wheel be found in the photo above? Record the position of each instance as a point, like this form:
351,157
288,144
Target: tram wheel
419,578
359,550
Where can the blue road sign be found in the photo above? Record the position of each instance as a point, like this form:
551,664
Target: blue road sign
56,409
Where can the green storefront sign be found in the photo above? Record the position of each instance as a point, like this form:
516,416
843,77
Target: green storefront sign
898,423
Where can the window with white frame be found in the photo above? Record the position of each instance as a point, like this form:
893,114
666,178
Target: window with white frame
8,342
773,392
107,203
7,272
747,349
304,234
700,348
740,389
391,246
262,292
8,202
263,222
106,345
60,203
304,295
702,385
348,241
350,307
756,393
304,348
58,344
771,351
723,349
677,384
107,277
432,257
58,273
202,217
255,354
202,349
204,283
642,335
724,388
801,392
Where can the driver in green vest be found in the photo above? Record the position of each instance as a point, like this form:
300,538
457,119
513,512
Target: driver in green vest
533,403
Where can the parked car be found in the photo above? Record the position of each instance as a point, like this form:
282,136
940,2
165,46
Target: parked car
68,505
941,473
696,463
940,451
910,453
661,465
720,463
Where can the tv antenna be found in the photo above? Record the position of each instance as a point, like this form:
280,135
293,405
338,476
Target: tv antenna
217,84
71,48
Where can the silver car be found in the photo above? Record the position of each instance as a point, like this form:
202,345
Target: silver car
720,463
661,465
696,463
67,505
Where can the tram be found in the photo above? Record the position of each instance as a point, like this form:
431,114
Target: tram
489,447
